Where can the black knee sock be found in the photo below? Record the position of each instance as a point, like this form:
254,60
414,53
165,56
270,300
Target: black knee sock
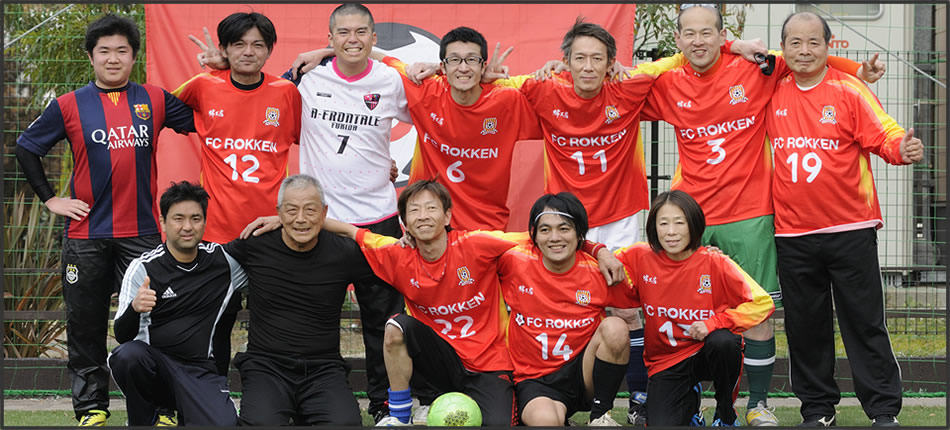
607,378
636,371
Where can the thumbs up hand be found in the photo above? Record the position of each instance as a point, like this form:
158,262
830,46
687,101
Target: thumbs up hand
912,149
145,298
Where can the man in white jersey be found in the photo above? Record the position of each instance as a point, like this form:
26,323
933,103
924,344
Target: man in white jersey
349,105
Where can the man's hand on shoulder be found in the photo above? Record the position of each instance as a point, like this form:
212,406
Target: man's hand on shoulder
549,69
417,72
748,48
260,226
307,61
210,55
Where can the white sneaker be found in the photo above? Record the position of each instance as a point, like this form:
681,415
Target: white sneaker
392,421
421,415
604,420
761,416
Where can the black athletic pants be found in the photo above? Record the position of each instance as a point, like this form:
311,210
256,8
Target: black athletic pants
817,271
151,380
672,401
279,390
92,271
378,301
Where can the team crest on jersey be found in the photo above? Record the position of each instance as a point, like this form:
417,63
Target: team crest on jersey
582,297
72,273
828,115
142,111
465,277
271,115
490,126
705,285
737,94
612,114
371,100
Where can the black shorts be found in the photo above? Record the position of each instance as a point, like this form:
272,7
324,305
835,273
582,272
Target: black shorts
566,385
442,370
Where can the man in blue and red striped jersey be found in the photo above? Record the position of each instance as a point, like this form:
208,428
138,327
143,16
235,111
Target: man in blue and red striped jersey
112,126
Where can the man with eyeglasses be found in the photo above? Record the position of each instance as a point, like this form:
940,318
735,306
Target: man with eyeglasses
467,129
717,106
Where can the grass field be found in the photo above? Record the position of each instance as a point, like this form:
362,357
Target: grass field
911,416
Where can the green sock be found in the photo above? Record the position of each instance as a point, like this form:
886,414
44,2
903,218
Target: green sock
759,363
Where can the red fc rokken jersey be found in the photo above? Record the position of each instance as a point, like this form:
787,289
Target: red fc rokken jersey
593,147
245,140
553,315
823,138
458,295
468,148
674,294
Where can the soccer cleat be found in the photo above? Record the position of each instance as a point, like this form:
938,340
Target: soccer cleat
380,414
637,413
391,421
421,415
885,421
818,421
698,420
94,418
604,420
718,422
166,419
761,415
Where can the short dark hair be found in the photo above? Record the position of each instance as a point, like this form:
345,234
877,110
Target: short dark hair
581,28
695,219
111,25
679,26
352,9
463,34
232,28
183,191
417,187
561,202
825,28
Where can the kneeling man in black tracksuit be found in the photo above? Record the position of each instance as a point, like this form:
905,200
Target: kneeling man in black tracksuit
171,301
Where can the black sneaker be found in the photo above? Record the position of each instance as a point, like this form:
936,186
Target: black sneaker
885,421
818,421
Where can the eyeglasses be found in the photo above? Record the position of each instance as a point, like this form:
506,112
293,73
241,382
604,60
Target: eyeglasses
471,61
685,6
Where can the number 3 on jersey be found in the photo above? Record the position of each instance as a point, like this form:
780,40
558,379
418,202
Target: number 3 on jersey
560,349
246,175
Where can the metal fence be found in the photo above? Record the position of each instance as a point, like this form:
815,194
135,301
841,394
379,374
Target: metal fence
48,60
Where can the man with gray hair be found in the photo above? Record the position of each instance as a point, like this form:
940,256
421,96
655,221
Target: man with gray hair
293,370
826,219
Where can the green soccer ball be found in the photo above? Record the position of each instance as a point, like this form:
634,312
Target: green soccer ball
454,409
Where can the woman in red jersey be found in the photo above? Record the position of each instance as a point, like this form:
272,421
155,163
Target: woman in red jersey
695,303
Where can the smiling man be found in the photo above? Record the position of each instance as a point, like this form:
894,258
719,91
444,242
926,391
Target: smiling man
349,106
567,355
292,371
112,126
247,120
166,357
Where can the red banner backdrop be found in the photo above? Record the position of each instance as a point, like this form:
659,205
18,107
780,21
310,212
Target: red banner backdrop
410,32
